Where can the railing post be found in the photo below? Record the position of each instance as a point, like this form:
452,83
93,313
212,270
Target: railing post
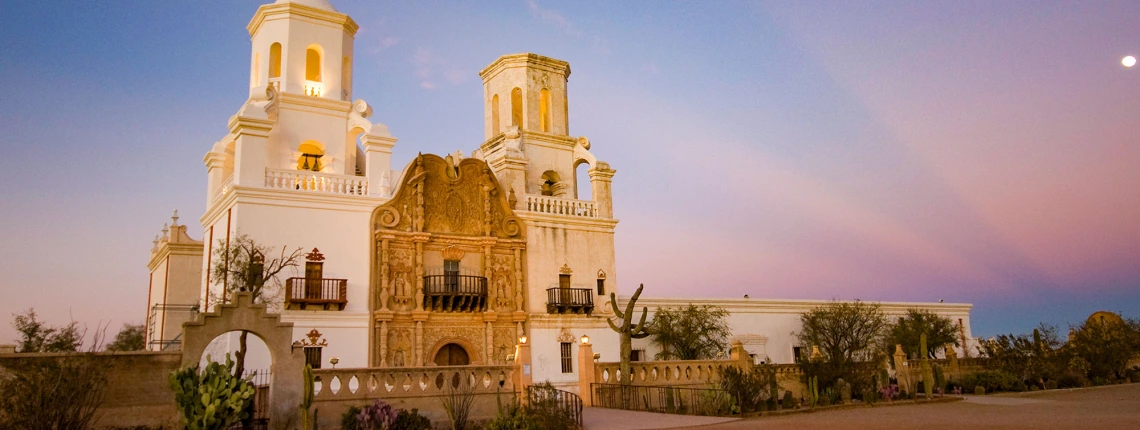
586,373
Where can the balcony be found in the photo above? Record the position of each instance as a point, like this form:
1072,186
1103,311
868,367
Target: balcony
307,181
455,293
560,206
303,292
569,300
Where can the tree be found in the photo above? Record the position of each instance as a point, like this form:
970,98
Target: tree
1106,346
60,391
847,333
1029,358
241,266
690,333
907,330
130,338
37,336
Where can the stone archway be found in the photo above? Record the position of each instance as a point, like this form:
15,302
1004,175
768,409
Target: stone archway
287,363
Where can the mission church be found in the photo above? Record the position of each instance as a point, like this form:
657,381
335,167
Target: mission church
438,260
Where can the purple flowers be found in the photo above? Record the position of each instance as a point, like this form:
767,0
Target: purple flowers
377,416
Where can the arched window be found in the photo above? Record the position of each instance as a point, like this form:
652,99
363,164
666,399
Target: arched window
310,158
551,185
584,190
275,60
544,110
494,115
312,65
516,107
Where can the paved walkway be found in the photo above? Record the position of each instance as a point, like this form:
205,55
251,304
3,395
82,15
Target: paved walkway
1111,407
616,419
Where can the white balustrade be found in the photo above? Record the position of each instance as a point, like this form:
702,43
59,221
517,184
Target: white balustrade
304,180
227,185
559,206
314,88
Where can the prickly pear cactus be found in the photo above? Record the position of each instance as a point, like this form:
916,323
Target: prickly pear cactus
212,398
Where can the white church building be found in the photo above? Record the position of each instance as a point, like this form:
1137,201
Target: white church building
436,260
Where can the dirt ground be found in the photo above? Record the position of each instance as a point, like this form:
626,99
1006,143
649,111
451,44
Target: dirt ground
1111,407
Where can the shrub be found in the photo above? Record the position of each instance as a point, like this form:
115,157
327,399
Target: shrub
747,386
994,380
716,403
544,409
348,419
514,418
979,390
1071,380
1051,385
789,402
53,393
412,420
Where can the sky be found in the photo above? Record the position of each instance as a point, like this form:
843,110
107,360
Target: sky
968,151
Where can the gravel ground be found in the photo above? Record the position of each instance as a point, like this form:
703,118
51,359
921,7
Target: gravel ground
1111,407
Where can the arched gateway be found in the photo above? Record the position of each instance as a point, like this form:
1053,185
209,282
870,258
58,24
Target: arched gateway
243,315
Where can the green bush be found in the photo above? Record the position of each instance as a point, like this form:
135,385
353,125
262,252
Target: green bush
789,402
348,419
979,390
749,387
994,380
411,420
1051,385
1071,380
715,403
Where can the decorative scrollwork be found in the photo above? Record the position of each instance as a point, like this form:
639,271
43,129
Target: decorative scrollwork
511,226
388,217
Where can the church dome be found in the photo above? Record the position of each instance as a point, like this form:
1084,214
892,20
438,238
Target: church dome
319,4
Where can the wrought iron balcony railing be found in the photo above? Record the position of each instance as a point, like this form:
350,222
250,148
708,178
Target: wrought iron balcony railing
455,293
325,292
569,300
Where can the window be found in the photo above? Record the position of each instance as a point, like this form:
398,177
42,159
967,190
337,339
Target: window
567,360
601,287
451,274
312,65
495,115
797,353
637,355
563,281
516,107
275,61
550,184
313,356
544,110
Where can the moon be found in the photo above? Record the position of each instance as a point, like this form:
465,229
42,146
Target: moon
1128,61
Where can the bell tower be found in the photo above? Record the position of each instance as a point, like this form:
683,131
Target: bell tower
302,47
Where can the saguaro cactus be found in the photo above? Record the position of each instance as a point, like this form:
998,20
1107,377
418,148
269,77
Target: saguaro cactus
927,375
627,330
307,399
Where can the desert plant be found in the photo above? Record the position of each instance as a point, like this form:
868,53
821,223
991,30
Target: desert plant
212,398
377,416
306,396
979,390
457,402
411,420
813,391
690,333
348,419
927,374
130,338
52,392
628,331
908,329
789,402
993,380
1051,385
513,418
745,385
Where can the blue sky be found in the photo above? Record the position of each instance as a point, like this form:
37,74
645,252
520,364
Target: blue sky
981,152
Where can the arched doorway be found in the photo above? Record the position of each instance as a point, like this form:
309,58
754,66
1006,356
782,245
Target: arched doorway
452,355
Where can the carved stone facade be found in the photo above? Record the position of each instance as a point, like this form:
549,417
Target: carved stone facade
447,236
